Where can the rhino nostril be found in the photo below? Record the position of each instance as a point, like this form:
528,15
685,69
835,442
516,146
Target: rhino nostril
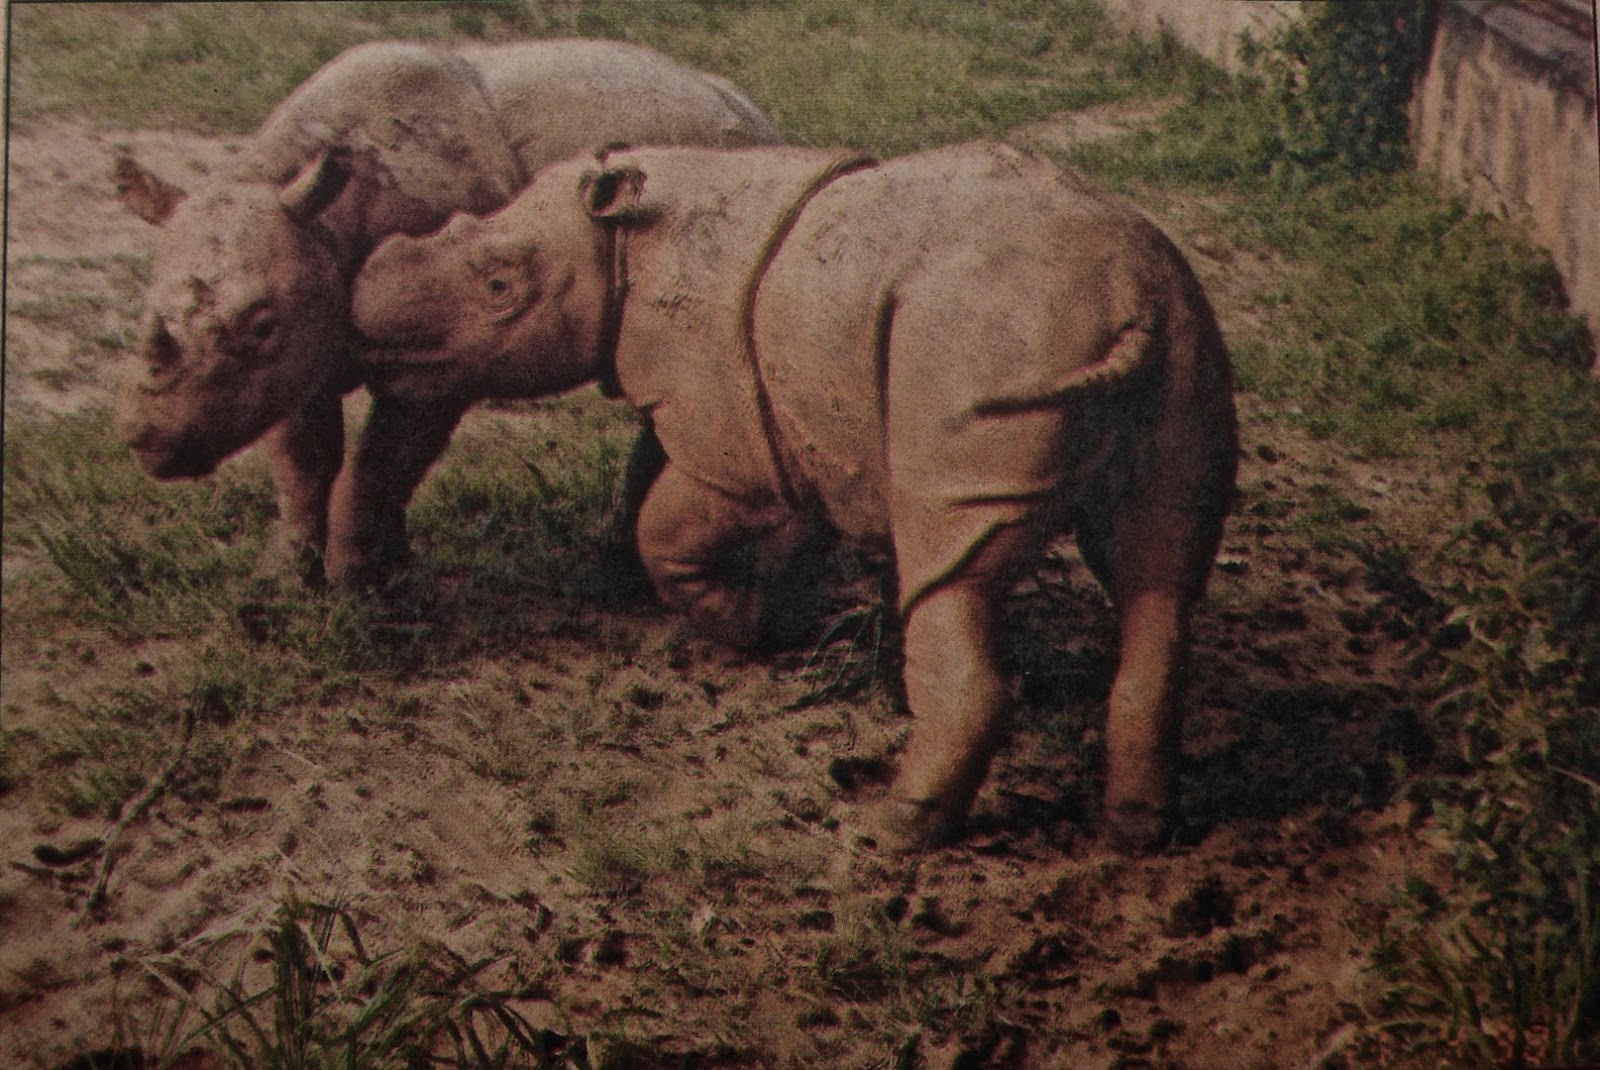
160,348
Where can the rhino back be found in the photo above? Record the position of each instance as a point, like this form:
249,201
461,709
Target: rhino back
926,329
399,99
559,98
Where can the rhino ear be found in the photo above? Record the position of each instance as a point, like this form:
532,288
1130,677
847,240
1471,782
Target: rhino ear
612,194
317,185
143,193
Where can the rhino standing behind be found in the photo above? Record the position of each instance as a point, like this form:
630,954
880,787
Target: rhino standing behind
246,328
954,356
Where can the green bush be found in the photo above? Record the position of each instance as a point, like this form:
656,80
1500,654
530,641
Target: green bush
1502,965
1342,78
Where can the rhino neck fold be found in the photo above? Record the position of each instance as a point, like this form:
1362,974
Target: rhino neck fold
687,272
605,346
833,169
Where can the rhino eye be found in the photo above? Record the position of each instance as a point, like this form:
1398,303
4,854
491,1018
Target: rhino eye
504,292
256,331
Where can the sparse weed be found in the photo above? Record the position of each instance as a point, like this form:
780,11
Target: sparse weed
327,1002
868,960
616,859
853,654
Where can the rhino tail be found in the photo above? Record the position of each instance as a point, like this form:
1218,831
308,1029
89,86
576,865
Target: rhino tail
1138,348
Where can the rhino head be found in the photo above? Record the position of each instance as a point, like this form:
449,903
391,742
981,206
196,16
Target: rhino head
513,304
245,318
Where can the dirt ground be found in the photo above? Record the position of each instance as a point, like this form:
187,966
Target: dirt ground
769,936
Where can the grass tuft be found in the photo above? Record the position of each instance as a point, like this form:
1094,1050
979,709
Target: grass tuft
327,1001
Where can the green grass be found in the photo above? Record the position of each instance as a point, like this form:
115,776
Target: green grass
211,68
902,74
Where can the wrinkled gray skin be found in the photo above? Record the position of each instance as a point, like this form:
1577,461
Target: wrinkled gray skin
246,329
954,355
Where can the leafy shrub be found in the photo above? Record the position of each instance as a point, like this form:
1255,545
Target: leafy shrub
1502,965
1342,78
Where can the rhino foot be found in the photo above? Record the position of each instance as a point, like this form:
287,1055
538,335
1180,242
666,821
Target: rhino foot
1134,827
290,553
905,826
623,579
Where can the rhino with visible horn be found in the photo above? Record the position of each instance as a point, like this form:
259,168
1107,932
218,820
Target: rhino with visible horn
246,330
953,356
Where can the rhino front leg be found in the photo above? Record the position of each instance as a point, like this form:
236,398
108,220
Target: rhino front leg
619,550
304,453
717,560
367,519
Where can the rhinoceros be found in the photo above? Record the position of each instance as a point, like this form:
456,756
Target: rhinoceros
246,327
952,356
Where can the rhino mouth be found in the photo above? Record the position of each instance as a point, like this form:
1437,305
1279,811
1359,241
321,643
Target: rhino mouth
172,460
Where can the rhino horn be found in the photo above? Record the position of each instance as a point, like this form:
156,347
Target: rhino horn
145,194
317,185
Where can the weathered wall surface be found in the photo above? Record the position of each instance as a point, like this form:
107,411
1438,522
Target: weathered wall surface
1210,27
1505,113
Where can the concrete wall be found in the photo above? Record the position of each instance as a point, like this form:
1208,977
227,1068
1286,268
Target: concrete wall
1505,112
1210,27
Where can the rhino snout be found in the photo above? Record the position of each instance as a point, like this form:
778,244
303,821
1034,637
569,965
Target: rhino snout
392,302
160,453
164,461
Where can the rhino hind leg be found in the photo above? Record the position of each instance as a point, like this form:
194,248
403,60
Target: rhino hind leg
730,569
1155,568
304,453
957,693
